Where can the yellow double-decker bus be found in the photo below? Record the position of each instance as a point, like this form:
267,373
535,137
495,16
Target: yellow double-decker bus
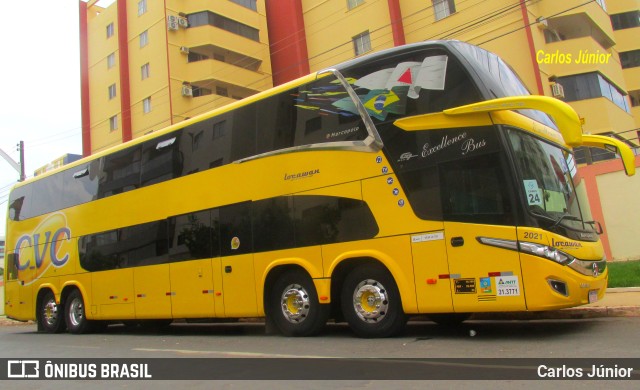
419,180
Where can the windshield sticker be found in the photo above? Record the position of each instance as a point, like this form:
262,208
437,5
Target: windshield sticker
508,286
533,192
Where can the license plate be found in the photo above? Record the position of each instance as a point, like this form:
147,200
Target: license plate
593,296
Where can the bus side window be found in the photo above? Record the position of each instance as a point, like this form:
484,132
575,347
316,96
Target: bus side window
120,172
243,132
193,236
235,229
12,266
205,145
273,224
275,122
19,203
81,184
474,190
161,160
325,113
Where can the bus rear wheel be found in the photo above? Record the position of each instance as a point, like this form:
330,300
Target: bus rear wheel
371,302
294,305
75,317
50,314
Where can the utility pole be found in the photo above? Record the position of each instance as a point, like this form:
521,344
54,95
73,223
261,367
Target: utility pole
20,146
18,166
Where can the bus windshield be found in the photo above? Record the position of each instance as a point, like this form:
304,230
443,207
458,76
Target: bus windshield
547,181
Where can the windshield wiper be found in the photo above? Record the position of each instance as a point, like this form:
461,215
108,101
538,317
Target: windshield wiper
566,216
555,221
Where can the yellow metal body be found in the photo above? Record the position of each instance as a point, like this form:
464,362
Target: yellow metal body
432,274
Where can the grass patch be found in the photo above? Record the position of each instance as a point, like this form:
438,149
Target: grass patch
624,274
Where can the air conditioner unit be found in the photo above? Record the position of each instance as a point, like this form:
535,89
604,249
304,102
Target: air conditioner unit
187,90
172,23
542,23
183,22
184,50
557,91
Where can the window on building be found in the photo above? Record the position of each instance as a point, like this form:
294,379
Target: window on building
144,71
351,4
625,20
110,30
222,91
630,59
113,123
634,96
142,7
195,57
362,43
144,38
201,91
443,8
251,4
590,86
112,91
111,60
209,18
146,105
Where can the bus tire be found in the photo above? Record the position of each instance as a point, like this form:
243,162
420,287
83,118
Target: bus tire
75,317
371,302
50,315
294,305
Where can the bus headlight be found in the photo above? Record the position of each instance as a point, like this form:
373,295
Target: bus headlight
546,252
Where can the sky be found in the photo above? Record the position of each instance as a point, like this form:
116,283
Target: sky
40,87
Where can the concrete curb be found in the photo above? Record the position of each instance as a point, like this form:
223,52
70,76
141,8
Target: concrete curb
564,314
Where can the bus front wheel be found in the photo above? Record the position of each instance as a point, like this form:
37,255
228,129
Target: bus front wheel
371,302
295,308
75,317
50,314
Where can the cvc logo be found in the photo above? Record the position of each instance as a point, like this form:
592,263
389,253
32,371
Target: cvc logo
45,246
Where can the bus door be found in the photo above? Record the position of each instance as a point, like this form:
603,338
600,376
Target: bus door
430,265
18,294
193,241
480,235
236,247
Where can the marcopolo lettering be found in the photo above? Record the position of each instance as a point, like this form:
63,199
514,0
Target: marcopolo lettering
343,132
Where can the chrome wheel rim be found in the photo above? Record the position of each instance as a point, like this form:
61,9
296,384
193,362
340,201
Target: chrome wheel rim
370,301
50,312
76,312
295,303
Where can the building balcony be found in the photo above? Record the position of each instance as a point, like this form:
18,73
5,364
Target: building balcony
227,74
632,78
564,58
627,39
602,116
592,11
210,35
